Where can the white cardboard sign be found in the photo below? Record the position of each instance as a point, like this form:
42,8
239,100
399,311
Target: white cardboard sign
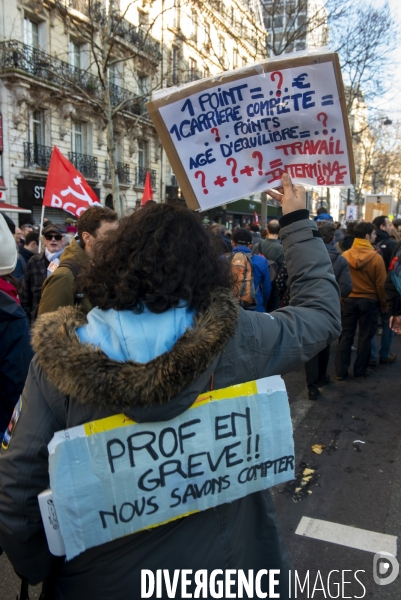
234,137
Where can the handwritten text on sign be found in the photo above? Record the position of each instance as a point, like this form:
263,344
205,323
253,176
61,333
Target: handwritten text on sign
240,137
113,477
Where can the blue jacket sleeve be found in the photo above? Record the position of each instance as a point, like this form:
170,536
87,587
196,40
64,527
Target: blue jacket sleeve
262,277
18,272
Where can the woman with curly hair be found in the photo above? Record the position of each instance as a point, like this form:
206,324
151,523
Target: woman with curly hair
165,328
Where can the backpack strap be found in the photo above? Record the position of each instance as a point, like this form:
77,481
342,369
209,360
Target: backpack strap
75,270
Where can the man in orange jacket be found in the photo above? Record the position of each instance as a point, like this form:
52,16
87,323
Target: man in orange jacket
368,275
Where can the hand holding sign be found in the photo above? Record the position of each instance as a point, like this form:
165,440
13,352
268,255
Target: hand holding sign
291,197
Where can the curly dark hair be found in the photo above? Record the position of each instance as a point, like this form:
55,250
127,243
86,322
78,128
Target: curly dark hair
158,256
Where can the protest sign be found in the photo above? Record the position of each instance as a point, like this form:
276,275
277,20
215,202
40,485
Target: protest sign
351,213
114,477
233,135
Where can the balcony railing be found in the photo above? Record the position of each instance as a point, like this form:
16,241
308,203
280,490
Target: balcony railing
122,170
16,56
192,75
140,176
86,164
139,37
37,156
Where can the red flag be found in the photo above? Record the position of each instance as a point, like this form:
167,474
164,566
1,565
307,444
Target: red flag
256,218
66,188
147,192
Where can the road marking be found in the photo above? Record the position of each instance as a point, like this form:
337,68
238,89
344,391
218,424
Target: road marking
352,537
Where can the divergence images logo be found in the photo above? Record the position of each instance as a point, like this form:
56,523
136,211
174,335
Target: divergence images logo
385,568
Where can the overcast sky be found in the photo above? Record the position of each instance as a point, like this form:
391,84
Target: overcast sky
392,101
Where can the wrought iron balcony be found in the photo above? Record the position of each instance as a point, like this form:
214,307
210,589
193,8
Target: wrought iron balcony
192,75
139,37
18,57
37,156
140,176
122,170
86,164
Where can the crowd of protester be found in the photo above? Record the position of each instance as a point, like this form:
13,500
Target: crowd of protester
363,256
99,264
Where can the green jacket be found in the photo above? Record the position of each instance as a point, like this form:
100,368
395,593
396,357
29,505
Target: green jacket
271,249
60,288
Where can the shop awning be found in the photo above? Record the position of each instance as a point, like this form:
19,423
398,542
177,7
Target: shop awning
4,207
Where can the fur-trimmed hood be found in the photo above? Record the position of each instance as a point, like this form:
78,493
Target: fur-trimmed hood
88,374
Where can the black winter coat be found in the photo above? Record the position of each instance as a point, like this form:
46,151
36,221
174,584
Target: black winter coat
15,356
386,245
341,270
31,291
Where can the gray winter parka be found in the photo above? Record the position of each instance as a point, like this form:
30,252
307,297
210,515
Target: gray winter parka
70,383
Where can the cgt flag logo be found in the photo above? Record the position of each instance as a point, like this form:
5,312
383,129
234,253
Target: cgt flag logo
66,188
385,568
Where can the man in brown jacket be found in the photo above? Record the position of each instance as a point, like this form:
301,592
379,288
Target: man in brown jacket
62,288
368,275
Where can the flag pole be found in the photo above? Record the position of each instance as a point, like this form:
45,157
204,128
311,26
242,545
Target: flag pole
42,216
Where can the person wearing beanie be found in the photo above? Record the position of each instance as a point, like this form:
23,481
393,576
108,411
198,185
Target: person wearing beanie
15,348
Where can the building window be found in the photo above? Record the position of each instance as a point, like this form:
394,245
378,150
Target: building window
143,154
192,69
75,55
119,152
174,64
194,27
38,128
79,138
31,33
35,33
206,40
222,48
111,74
143,83
235,58
176,14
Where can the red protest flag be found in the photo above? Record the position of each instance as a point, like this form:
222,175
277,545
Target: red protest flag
147,192
255,218
66,188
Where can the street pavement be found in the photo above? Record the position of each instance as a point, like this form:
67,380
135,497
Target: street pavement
357,485
354,484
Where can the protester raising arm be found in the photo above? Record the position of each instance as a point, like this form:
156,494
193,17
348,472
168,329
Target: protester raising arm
312,320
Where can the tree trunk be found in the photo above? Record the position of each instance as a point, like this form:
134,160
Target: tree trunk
111,144
115,188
